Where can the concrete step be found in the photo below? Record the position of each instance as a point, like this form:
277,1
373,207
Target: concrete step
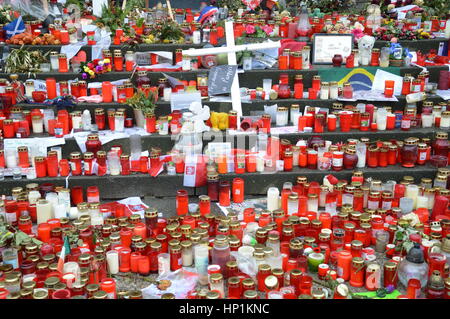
119,187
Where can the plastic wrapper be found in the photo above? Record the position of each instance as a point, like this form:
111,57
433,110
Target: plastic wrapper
29,7
247,266
182,282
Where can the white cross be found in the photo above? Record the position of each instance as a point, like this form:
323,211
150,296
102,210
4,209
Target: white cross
231,50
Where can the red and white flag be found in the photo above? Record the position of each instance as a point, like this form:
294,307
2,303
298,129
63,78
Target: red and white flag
195,171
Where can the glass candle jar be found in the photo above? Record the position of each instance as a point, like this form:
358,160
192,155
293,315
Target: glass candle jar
324,91
409,152
350,159
306,63
63,65
282,116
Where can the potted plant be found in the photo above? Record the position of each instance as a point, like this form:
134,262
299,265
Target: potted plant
142,104
398,54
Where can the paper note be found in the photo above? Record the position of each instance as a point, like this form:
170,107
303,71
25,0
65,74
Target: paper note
381,76
41,142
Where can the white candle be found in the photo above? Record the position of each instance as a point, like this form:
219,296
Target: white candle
76,122
422,201
187,256
112,258
381,119
60,211
73,268
64,198
412,191
246,251
427,120
313,204
272,198
44,211
167,94
324,92
33,197
292,205
445,121
10,158
259,164
52,198
37,124
96,220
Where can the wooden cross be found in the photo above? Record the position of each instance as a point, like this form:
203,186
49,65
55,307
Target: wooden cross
231,50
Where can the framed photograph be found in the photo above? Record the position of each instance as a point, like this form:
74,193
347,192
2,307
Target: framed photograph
325,46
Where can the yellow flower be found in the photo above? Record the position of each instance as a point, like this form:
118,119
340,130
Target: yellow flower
106,61
86,69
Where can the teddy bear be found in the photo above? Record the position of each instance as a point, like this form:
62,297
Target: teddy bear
365,45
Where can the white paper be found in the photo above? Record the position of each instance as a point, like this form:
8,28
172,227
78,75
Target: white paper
97,6
72,49
135,202
445,94
381,76
42,143
370,96
216,149
181,101
283,130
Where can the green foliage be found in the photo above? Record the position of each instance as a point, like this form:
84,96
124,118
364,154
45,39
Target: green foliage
78,3
131,4
13,237
168,31
113,18
328,6
6,14
232,5
140,102
438,8
25,61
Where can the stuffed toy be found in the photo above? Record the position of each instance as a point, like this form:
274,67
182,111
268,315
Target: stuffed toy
365,45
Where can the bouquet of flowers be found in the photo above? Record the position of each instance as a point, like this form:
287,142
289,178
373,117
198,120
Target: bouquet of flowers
398,55
95,67
257,31
393,31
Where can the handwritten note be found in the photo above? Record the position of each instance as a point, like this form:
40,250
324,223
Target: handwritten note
326,46
220,79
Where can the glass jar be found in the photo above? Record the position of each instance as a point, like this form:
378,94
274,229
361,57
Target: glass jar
347,91
350,158
324,91
413,267
441,144
142,79
282,116
216,283
213,187
163,125
409,152
220,253
306,62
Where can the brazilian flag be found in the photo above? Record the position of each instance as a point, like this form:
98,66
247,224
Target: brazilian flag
361,79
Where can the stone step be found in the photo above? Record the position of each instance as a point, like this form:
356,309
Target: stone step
119,187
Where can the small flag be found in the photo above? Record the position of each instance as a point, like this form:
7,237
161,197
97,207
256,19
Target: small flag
195,171
15,27
65,250
206,13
